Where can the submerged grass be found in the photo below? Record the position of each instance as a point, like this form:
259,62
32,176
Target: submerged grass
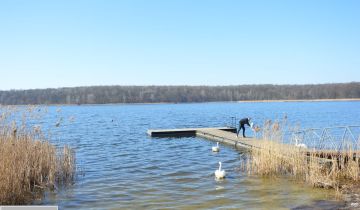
30,164
318,168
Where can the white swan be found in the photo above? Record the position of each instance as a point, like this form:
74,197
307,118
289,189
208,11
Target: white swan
299,145
220,174
216,148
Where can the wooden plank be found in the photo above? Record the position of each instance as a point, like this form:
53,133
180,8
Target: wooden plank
183,131
228,138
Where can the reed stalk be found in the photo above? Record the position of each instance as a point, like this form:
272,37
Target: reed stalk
29,163
328,170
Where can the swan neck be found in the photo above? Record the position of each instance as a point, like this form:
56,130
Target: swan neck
219,166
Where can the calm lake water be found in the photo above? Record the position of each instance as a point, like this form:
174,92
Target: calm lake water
122,168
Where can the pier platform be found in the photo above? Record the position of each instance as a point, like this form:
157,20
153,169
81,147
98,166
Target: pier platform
227,135
185,131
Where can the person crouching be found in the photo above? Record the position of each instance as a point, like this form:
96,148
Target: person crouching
242,123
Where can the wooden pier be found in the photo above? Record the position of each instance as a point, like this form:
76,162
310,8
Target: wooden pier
185,131
225,135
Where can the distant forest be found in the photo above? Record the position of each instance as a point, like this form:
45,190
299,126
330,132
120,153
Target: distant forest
178,94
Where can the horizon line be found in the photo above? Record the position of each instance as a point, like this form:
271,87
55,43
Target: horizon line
87,86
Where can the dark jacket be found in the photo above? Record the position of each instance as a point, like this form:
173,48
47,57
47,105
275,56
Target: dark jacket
244,121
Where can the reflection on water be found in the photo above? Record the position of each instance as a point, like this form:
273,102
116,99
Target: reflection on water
125,169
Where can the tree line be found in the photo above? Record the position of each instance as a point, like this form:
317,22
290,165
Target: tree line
178,94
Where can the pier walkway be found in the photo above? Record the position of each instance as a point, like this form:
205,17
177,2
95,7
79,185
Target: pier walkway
227,135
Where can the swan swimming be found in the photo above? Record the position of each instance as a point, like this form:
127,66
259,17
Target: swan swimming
299,145
216,148
220,174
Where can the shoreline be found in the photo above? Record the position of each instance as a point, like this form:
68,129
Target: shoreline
160,103
301,100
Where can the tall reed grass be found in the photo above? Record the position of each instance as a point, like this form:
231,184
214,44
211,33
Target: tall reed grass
328,169
29,163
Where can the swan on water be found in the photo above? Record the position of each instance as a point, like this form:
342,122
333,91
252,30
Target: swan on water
220,174
299,145
216,148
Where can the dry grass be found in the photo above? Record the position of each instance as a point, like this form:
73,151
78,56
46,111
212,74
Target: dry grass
29,163
319,169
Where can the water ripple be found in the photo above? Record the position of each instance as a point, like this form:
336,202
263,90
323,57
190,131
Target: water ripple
125,169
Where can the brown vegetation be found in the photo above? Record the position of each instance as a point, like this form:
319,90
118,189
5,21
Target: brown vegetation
318,168
29,163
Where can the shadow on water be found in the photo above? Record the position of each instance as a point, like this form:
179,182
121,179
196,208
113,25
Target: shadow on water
321,205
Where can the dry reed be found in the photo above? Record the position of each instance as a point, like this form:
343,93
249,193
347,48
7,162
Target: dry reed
318,168
29,163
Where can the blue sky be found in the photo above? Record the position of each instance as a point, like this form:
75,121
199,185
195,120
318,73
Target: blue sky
79,43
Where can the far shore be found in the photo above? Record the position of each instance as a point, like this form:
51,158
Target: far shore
301,100
157,103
